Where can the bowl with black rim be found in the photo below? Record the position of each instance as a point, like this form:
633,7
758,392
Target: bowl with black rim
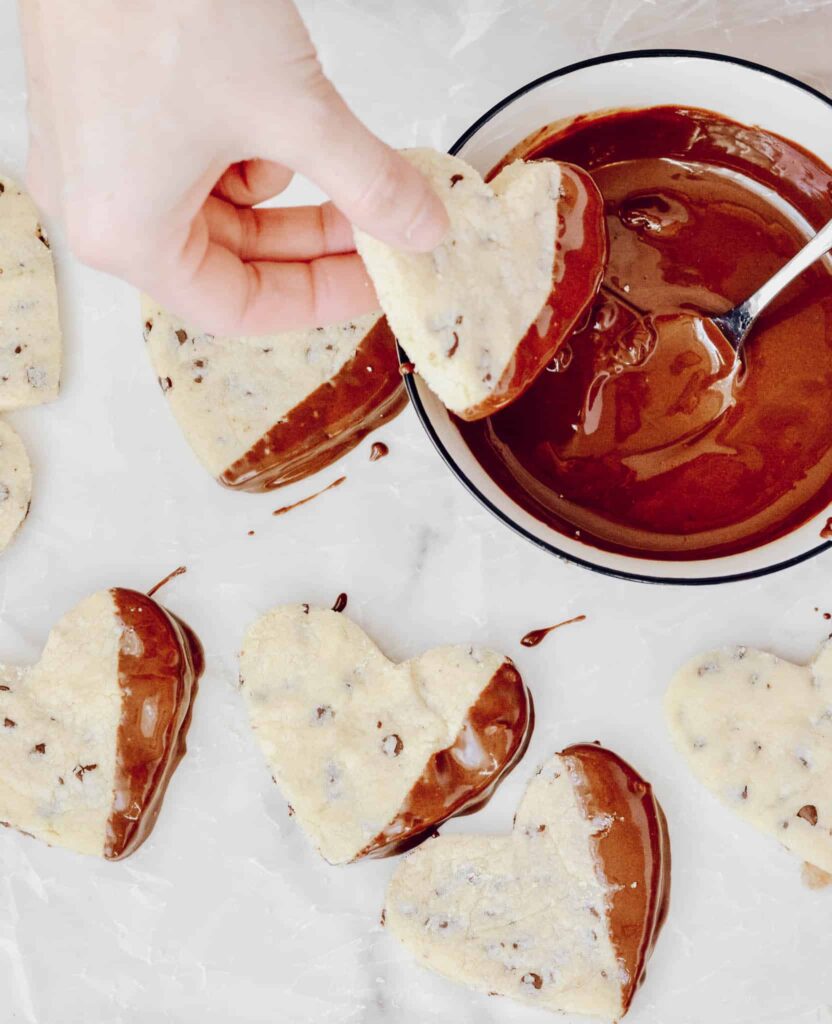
741,90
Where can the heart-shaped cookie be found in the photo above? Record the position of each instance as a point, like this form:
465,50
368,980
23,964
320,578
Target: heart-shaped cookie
91,735
373,755
485,311
260,412
563,913
757,731
15,483
30,334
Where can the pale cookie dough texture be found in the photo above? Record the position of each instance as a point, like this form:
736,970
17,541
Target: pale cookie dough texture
228,393
30,334
522,915
461,311
15,483
347,733
757,731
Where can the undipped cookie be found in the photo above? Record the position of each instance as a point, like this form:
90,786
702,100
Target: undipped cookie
91,735
373,755
757,731
30,334
563,913
485,311
260,412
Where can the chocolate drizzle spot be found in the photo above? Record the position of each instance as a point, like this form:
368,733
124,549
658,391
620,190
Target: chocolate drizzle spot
809,813
340,603
407,368
635,847
378,451
158,683
455,178
329,422
158,586
498,725
303,501
826,531
537,636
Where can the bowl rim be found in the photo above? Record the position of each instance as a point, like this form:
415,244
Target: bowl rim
427,424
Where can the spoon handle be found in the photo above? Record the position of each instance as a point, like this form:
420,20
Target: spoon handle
821,243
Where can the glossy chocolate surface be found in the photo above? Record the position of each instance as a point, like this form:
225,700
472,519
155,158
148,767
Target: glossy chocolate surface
634,848
160,661
643,437
366,393
463,777
536,636
580,254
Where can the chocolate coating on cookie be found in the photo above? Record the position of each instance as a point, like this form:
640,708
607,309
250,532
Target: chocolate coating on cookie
159,664
462,778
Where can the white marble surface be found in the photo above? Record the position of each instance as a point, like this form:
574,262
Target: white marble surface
225,914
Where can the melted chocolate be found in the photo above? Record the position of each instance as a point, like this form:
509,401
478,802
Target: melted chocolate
634,852
340,603
647,439
365,393
378,451
158,586
577,271
159,665
463,777
303,501
537,636
826,531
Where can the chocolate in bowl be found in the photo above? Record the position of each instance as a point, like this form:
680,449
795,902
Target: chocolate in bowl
658,448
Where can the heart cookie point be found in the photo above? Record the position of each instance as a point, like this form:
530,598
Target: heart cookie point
262,412
757,731
563,913
98,725
483,313
372,755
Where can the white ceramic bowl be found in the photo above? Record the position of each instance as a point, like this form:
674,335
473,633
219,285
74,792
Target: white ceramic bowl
749,93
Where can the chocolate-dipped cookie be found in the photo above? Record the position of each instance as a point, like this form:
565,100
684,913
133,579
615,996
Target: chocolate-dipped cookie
370,754
485,311
563,913
93,732
260,412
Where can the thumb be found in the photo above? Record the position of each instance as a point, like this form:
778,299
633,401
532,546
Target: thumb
373,185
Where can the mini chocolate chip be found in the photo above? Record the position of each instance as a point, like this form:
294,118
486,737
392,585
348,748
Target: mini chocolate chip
378,725
458,320
454,347
455,178
809,813
392,745
305,609
181,336
532,979
165,383
541,828
198,379
81,770
148,327
42,237
60,779
291,810
39,748
744,793
2,190
324,713
199,363
5,689
9,724
18,349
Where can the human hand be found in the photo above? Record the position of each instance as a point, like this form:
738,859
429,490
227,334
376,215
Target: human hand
155,127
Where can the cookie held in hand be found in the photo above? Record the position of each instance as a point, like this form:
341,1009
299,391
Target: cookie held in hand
563,913
260,412
91,735
15,483
30,334
485,311
370,754
757,732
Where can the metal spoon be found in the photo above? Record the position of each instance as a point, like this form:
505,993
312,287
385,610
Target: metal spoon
737,322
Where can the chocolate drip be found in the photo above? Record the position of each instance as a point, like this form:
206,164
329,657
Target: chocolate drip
826,531
633,850
498,727
340,603
158,586
365,393
304,501
378,451
537,636
159,664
